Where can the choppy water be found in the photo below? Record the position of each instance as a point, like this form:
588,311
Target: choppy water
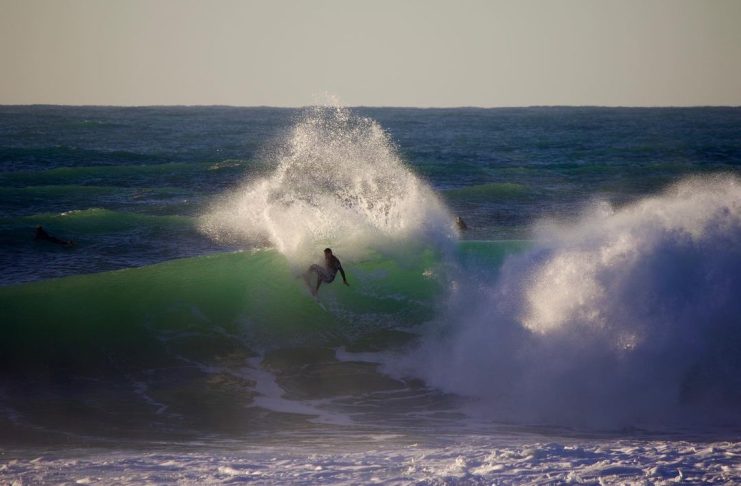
593,298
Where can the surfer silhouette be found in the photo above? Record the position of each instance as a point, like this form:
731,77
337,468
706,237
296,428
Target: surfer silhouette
325,273
41,234
461,224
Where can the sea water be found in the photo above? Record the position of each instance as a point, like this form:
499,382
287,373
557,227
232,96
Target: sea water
585,327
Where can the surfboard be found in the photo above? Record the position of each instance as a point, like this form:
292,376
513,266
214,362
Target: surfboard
310,288
307,281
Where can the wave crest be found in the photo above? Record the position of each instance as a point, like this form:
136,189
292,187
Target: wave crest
339,181
627,317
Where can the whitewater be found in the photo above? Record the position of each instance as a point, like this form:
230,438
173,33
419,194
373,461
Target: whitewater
585,328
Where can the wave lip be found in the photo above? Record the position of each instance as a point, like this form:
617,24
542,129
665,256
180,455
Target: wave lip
339,180
628,316
660,248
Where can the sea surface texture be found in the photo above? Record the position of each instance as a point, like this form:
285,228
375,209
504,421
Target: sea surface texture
536,295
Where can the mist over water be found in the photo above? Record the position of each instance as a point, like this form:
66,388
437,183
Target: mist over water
625,317
338,181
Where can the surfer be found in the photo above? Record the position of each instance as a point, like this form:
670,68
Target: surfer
461,224
41,234
325,273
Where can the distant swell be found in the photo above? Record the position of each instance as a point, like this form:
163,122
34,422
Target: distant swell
628,316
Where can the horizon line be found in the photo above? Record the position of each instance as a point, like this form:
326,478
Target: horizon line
298,107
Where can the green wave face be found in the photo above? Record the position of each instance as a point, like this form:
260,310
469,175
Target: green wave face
252,301
93,222
495,191
97,220
165,350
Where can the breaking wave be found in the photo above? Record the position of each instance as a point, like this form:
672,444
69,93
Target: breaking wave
339,181
627,316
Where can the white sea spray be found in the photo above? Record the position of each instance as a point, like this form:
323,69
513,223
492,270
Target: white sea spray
338,181
627,316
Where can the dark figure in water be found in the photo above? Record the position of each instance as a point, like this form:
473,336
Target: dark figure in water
326,273
41,234
461,224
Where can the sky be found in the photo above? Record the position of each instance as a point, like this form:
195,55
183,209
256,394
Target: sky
426,53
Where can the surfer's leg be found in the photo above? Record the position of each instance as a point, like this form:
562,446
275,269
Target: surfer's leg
321,276
307,278
307,274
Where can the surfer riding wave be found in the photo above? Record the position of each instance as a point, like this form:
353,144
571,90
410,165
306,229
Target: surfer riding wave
325,273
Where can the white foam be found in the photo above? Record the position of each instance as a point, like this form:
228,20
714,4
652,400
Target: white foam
463,460
627,316
270,396
338,181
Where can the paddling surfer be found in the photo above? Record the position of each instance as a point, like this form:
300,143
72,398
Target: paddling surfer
42,235
327,272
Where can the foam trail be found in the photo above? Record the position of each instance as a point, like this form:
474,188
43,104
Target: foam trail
629,316
339,181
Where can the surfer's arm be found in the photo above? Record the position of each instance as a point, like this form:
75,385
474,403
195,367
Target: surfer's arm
342,272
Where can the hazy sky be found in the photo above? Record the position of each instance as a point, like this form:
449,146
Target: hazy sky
392,53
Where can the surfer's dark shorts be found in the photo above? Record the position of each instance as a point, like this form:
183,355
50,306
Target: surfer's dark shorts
323,274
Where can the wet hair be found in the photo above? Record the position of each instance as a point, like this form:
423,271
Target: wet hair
327,250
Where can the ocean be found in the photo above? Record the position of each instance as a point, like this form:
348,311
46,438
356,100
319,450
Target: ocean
580,322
